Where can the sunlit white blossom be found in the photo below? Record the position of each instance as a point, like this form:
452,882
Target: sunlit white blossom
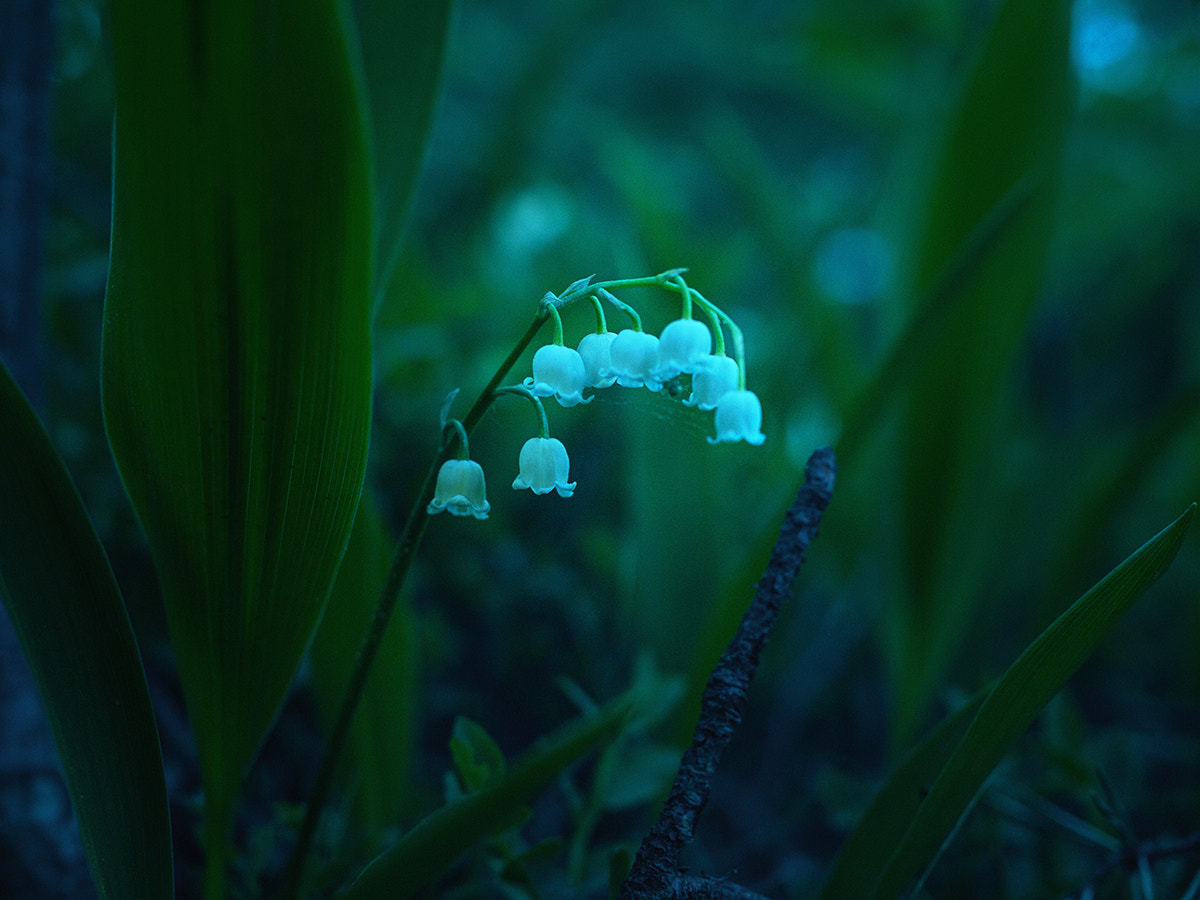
558,372
545,467
739,418
460,490
715,377
681,346
634,355
596,351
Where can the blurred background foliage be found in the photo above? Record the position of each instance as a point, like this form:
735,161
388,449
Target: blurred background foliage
793,156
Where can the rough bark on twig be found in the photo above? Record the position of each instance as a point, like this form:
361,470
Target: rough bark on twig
655,874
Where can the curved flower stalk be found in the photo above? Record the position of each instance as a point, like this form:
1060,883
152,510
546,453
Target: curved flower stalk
545,467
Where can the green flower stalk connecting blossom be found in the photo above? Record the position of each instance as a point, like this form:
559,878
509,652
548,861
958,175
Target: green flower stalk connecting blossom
629,358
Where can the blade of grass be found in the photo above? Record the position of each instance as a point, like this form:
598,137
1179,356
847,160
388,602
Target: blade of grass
66,608
1008,710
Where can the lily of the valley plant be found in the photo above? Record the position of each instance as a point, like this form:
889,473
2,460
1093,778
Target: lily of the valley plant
630,358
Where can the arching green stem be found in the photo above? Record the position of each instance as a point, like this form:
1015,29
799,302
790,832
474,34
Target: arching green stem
623,307
521,391
601,325
406,548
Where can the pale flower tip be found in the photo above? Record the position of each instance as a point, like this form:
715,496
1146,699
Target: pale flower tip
460,490
545,467
739,418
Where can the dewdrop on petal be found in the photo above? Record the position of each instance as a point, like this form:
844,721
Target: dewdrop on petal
739,418
681,347
460,490
545,467
715,377
558,372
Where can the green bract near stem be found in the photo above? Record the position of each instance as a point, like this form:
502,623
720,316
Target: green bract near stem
521,391
624,307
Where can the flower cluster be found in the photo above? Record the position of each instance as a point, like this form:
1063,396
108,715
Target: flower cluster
628,358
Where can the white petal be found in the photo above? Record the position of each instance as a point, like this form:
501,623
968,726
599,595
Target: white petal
681,346
715,376
460,490
739,418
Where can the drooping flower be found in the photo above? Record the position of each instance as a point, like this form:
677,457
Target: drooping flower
715,377
633,357
460,490
545,467
739,418
558,372
681,346
596,351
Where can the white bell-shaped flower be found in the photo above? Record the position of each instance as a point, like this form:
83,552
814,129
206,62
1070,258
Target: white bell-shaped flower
715,377
681,347
596,351
460,490
558,372
545,467
634,355
739,418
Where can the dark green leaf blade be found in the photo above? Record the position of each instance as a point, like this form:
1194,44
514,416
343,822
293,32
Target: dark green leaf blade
1028,685
68,613
403,45
237,356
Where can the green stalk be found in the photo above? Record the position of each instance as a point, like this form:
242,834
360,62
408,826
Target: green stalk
406,548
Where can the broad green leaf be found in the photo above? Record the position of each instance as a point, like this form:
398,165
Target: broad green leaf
403,45
1009,709
379,752
68,613
1006,130
236,354
430,848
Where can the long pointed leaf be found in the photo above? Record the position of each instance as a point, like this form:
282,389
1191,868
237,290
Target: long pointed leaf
68,613
236,356
1028,685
